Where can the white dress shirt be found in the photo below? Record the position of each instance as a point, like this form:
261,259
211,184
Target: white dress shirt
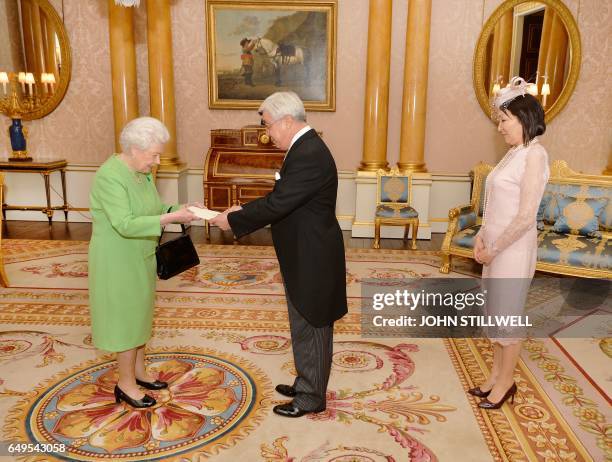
297,135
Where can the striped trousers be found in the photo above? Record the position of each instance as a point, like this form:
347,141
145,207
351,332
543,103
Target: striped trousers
312,355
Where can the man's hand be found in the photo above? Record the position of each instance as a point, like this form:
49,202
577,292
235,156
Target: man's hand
221,219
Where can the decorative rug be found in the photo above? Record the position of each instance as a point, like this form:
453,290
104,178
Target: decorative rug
221,340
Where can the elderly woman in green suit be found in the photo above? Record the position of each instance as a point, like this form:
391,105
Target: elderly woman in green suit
128,217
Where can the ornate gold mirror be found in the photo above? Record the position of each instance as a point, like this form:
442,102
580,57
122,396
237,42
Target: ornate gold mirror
35,58
537,40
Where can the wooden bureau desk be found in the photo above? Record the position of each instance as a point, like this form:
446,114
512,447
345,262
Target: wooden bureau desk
45,168
239,167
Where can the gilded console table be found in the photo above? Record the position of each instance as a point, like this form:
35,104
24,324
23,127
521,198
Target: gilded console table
45,168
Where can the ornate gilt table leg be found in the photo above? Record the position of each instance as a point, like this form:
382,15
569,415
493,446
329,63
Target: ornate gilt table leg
48,210
376,234
63,174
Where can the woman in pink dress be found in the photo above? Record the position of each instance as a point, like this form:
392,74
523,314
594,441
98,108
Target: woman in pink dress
506,244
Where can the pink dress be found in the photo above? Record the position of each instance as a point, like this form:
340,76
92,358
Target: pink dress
513,192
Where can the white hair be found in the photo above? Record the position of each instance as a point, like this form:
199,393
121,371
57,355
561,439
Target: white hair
283,103
141,133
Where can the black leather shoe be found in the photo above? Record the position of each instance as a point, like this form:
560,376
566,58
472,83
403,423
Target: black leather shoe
145,401
291,410
478,392
155,385
286,390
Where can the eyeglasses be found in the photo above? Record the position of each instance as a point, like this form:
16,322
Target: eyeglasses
268,125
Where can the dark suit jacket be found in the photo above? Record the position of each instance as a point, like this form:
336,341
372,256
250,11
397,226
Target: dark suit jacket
307,238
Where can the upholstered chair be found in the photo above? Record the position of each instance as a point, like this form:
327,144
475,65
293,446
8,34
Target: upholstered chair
393,198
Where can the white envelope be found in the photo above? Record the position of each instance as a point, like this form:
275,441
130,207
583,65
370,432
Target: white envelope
276,176
204,214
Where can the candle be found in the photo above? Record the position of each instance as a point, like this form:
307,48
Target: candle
51,78
4,80
545,91
21,79
29,79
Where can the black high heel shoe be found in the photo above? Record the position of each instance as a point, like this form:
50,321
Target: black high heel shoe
145,401
486,404
478,392
155,385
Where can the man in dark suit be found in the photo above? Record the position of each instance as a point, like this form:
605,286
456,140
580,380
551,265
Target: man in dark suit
308,243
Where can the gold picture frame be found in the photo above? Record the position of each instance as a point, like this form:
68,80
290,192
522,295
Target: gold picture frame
256,48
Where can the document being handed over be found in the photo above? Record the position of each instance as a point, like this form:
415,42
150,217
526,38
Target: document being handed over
204,214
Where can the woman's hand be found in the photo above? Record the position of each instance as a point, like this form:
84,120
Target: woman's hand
481,253
485,257
182,215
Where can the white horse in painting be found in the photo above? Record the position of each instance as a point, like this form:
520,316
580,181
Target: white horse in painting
280,55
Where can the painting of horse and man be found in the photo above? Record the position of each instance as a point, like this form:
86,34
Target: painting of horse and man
257,48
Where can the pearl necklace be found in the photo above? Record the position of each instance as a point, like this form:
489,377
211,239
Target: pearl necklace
501,164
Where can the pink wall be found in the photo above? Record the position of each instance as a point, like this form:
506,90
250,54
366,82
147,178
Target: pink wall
458,133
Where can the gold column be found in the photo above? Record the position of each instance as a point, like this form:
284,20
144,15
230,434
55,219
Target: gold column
28,35
161,75
378,68
501,51
555,59
549,14
123,66
414,101
50,56
39,48
493,75
505,46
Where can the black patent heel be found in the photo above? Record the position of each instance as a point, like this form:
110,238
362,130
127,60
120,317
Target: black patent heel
145,401
155,385
486,404
478,392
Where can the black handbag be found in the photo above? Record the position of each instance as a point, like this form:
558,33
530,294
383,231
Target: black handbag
176,255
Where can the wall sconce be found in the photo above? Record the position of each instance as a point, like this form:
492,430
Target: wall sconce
15,104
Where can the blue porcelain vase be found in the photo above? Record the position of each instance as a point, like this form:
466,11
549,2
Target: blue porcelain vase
18,141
